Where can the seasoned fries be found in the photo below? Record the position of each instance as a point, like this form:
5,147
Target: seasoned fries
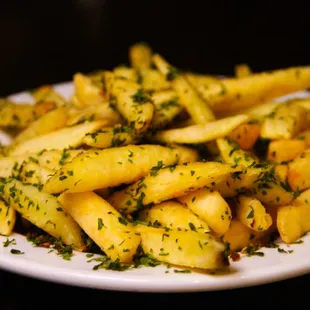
147,164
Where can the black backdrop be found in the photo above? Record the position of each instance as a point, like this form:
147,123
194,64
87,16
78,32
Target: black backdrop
47,41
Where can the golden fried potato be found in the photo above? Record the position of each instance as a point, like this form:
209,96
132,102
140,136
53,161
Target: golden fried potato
46,93
293,222
43,210
140,56
32,173
126,73
251,213
199,110
245,135
284,123
209,206
152,79
103,224
242,70
60,139
187,154
169,182
173,215
96,169
183,248
280,151
299,172
233,94
201,133
7,219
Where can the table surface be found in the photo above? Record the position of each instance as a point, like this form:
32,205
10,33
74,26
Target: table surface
18,292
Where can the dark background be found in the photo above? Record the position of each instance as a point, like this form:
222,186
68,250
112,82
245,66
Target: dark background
47,41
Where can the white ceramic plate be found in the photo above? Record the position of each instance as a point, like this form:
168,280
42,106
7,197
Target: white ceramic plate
249,271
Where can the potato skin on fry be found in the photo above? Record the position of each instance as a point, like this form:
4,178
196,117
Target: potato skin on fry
183,248
98,169
103,224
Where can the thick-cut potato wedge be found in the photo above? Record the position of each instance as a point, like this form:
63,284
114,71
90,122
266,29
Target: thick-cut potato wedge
22,114
299,172
7,219
199,110
173,215
43,210
152,79
233,94
245,135
126,73
60,139
47,123
167,107
252,213
240,236
104,111
183,248
87,92
284,123
110,167
302,102
201,133
133,102
140,56
187,154
52,160
110,137
305,136
169,182
211,207
103,224
293,222
280,151
242,70
232,153
46,93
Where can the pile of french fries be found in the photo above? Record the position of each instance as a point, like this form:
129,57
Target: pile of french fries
185,166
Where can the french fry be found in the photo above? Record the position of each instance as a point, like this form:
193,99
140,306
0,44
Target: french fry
103,224
42,210
233,154
33,173
109,167
196,79
299,173
245,135
104,111
281,172
240,236
201,133
169,182
167,107
110,137
52,160
187,154
47,123
140,56
134,103
86,92
242,70
280,151
7,219
46,93
233,94
187,249
293,222
199,111
251,213
22,114
209,206
60,139
173,215
284,123
152,79
126,73
305,136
